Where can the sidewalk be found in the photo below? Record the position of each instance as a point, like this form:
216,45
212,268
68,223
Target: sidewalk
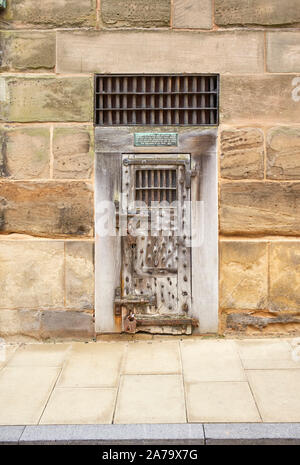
151,381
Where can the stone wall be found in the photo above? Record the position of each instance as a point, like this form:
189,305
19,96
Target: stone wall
50,52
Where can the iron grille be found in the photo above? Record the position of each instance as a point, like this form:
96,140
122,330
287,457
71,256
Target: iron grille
156,185
125,100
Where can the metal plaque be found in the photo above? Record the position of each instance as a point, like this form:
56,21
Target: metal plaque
155,139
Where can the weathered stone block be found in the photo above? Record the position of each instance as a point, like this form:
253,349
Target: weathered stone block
283,52
27,50
243,275
257,12
265,98
73,152
25,152
283,153
285,276
160,52
245,322
48,13
46,208
64,324
192,14
20,323
31,274
116,13
260,208
46,98
79,275
242,153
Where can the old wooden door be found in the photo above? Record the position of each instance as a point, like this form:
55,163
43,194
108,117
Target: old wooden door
156,254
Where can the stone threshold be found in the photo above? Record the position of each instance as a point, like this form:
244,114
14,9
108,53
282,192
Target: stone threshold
156,434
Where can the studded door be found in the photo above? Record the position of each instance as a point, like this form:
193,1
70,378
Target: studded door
156,258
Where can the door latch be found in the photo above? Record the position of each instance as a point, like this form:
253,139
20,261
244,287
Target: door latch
132,301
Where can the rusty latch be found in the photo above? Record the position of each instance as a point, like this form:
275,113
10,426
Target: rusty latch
131,302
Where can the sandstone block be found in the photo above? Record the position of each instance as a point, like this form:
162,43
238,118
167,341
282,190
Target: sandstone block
79,275
243,275
31,274
48,13
73,152
46,98
64,324
135,13
260,208
20,324
265,98
242,153
283,52
257,12
25,50
46,208
25,152
160,52
285,276
283,153
192,14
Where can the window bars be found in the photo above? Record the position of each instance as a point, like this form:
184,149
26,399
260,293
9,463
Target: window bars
132,100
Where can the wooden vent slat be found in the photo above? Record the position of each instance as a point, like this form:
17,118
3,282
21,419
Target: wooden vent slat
132,100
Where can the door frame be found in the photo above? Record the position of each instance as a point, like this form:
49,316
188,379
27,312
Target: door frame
201,144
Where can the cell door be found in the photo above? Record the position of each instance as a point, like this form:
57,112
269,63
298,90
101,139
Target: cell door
156,254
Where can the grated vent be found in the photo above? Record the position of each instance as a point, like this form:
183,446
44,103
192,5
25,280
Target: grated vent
156,100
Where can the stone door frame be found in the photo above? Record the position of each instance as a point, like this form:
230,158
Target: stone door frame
201,144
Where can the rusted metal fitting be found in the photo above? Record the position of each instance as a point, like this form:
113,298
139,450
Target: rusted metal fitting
130,323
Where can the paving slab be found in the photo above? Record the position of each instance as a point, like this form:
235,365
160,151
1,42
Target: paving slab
80,406
277,394
150,399
10,435
263,349
93,365
6,352
221,402
114,434
270,365
252,433
153,358
48,355
267,354
211,360
24,392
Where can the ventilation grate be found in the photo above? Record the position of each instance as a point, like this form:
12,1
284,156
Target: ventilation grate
156,100
156,185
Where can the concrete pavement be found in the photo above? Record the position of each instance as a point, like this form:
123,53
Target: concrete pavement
156,381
